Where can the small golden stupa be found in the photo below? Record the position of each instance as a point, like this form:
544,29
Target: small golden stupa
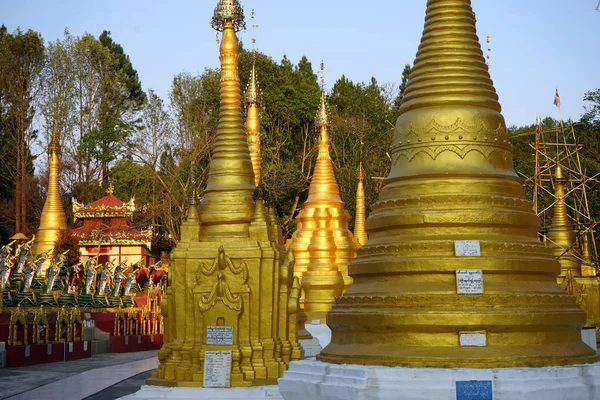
359,220
231,300
453,274
323,244
53,217
253,100
575,277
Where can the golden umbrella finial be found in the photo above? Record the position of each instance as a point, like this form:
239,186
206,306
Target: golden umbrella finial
228,11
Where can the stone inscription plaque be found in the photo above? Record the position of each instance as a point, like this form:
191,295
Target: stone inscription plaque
474,390
472,339
219,335
467,248
217,369
469,281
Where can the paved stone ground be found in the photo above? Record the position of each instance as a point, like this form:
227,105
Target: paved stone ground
122,388
19,380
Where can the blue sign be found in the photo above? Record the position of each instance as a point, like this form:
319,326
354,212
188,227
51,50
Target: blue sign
474,390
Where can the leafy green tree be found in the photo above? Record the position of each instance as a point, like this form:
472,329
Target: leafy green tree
121,97
22,61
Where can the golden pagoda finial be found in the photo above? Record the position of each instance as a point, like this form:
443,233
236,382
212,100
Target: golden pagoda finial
253,100
359,221
110,190
231,176
228,12
53,217
322,118
453,202
561,233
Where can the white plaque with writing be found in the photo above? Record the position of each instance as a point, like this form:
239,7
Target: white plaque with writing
217,369
85,345
469,281
219,335
467,248
472,339
70,347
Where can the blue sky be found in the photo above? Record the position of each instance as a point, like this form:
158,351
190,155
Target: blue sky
537,45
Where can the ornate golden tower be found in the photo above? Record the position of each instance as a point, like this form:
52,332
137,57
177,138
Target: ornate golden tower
53,217
232,300
359,221
561,233
453,274
334,234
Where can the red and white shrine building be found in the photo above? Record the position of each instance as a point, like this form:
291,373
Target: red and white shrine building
106,230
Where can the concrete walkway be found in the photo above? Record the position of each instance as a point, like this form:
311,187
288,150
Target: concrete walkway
79,379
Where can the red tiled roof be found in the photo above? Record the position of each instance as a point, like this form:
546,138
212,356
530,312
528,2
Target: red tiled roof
107,201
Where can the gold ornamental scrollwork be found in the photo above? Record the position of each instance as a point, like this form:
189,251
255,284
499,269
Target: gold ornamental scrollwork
488,140
461,150
220,289
573,287
459,126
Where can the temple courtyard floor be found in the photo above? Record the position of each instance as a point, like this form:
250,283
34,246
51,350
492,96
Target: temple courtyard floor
101,377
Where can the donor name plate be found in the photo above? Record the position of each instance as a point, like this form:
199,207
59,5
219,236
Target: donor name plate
219,335
217,369
467,248
472,339
469,281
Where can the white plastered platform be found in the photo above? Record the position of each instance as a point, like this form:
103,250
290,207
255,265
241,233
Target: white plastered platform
311,347
316,380
321,332
148,392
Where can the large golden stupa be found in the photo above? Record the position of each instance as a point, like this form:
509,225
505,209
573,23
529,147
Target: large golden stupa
231,302
53,218
453,274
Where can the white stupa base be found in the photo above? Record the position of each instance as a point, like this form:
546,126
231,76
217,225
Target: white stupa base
319,331
588,336
148,392
316,380
311,347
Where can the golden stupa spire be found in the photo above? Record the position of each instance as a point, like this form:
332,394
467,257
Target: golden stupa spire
323,193
561,233
323,186
359,220
53,217
453,202
227,205
253,100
